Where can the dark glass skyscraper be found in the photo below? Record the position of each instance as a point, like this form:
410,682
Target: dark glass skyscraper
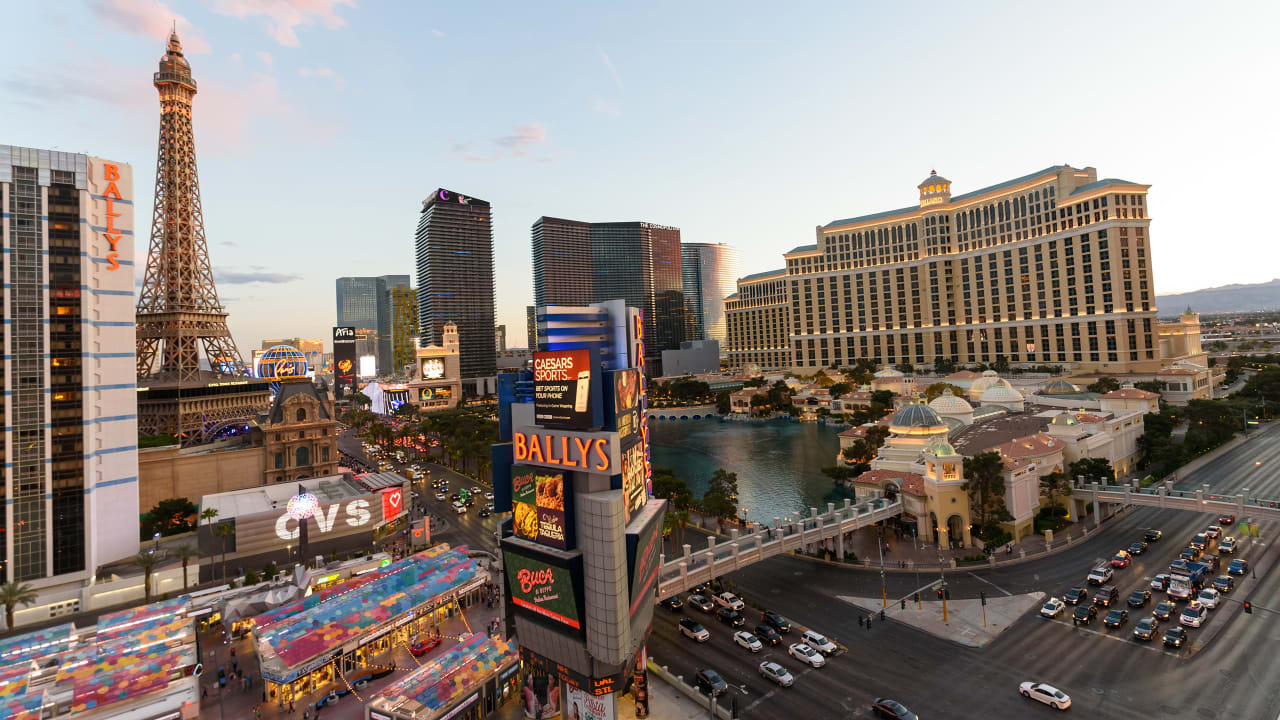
640,263
563,271
455,278
366,303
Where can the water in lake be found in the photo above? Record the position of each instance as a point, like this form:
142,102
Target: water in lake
778,463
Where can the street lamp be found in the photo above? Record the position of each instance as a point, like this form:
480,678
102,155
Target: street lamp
155,540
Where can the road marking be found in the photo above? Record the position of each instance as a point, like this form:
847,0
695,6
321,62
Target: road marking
1109,636
1006,592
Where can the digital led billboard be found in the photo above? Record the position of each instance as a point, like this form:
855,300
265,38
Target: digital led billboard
547,591
565,383
344,359
539,509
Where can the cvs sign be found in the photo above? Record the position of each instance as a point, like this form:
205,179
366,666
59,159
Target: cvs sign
354,513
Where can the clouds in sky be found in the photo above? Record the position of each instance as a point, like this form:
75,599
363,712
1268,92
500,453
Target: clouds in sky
152,18
322,72
283,17
609,64
253,275
523,140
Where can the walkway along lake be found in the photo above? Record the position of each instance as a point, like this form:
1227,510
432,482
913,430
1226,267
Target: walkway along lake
779,463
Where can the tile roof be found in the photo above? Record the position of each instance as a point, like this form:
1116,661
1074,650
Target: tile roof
910,483
1176,371
801,248
1130,394
1031,446
983,436
1102,182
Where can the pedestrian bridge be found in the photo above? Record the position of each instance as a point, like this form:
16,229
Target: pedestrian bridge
742,549
1242,506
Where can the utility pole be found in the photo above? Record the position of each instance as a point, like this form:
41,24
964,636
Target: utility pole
943,587
884,593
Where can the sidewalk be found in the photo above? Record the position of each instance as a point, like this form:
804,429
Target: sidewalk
966,624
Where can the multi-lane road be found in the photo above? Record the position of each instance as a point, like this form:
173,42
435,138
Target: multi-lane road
1107,673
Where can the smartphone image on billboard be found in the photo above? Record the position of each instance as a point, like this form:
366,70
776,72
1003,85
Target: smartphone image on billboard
584,389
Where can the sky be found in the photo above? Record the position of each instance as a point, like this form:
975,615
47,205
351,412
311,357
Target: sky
322,124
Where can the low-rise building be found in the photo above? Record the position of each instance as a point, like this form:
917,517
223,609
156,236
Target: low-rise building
740,401
467,682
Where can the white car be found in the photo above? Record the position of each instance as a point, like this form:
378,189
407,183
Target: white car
729,600
488,496
1160,582
441,497
1047,694
776,673
1100,575
1213,531
1209,598
459,508
1053,608
1193,615
747,640
818,642
806,654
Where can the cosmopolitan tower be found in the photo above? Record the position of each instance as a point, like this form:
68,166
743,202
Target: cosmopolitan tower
178,307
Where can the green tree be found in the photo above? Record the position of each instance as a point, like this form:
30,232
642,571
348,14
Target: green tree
1104,385
361,400
944,365
760,405
1054,484
673,523
838,389
934,391
251,577
876,435
185,553
905,368
1149,386
723,402
668,486
1211,423
721,498
1001,364
147,561
270,571
984,481
1092,470
14,594
207,515
169,517
882,397
754,382
843,472
224,531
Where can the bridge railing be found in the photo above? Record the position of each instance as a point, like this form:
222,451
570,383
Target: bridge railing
1202,500
692,568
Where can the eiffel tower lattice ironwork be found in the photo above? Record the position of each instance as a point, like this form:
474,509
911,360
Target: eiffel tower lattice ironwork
178,308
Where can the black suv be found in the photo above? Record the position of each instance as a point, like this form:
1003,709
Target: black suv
1084,615
1075,595
776,621
1151,535
1139,598
710,683
1106,596
767,635
731,617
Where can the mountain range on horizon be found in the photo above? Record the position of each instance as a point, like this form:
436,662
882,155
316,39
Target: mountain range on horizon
1227,298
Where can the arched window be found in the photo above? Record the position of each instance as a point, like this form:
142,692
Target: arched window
302,414
303,457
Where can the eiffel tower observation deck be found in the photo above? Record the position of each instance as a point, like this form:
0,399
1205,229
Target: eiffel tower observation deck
178,308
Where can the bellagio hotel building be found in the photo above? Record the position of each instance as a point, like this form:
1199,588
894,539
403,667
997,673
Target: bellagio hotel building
1048,268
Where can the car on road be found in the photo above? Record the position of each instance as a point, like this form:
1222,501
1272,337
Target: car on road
422,648
485,512
710,683
1191,553
731,617
1099,575
1213,531
1227,545
1046,694
1116,617
729,600
818,642
1146,628
1209,598
1227,519
1152,535
1193,616
1200,541
892,709
693,630
1224,583
1075,595
1209,561
360,679
441,497
1107,596
459,508
1238,567
1084,615
806,654
1053,608
767,635
672,603
455,497
701,603
1163,610
1178,566
1121,560
1139,598
775,672
489,507
748,641
488,496
776,621
475,490
1160,582
1137,548
1175,636
701,589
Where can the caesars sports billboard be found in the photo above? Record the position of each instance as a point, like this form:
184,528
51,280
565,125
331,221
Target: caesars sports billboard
564,383
545,590
539,511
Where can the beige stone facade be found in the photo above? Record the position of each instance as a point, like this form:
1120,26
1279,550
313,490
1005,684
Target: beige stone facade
757,326
436,382
300,435
171,472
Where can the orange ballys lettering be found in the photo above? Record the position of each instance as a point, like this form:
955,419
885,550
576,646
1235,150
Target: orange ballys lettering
603,462
521,446
535,449
113,261
584,447
111,171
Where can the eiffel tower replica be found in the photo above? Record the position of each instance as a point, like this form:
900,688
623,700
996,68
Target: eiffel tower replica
178,307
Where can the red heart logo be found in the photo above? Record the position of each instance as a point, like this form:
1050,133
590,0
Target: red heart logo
395,499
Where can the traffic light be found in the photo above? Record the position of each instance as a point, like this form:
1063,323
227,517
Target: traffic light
984,598
882,616
1248,607
904,603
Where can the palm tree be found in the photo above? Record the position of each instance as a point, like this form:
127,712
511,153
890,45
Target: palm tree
147,561
185,553
222,531
13,594
209,514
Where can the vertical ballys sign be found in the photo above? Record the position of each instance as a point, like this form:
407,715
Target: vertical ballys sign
111,174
